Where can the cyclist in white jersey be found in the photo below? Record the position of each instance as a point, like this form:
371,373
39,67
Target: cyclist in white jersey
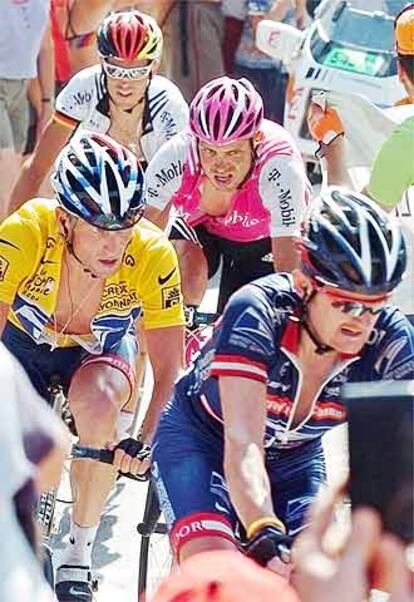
239,186
121,97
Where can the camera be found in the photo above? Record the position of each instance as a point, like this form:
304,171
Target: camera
381,444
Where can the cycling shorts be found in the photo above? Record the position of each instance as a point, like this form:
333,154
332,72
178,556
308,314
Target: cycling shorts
43,365
242,261
194,497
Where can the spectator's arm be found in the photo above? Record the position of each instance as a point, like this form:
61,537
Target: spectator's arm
160,9
34,170
300,13
279,10
46,76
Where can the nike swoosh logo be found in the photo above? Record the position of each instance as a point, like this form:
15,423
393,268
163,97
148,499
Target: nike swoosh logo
75,592
166,278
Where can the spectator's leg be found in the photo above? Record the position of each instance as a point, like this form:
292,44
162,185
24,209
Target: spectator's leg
14,120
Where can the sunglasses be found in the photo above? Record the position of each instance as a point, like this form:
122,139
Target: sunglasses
355,308
117,72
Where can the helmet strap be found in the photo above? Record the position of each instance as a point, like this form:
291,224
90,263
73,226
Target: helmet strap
68,239
320,348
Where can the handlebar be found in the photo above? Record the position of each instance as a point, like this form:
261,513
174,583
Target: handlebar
106,456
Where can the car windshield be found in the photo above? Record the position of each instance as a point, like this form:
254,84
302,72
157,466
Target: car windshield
358,41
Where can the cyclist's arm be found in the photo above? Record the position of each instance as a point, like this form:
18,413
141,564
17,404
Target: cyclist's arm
244,413
165,351
35,169
163,178
245,350
163,322
285,191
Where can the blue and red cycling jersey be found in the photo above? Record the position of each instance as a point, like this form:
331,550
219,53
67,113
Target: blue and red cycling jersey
257,339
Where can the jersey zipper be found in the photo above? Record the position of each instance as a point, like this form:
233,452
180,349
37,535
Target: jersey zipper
287,431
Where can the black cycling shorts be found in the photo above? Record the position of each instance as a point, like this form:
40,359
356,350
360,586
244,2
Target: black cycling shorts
242,261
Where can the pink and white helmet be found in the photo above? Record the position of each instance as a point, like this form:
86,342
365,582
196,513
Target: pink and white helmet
226,110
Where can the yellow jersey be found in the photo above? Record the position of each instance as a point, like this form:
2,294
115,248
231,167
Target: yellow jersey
31,257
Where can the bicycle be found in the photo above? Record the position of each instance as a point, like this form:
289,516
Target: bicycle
155,558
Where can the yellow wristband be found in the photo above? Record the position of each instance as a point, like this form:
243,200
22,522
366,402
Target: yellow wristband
256,525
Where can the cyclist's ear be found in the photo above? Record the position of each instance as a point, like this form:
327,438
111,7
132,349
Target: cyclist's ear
64,222
302,284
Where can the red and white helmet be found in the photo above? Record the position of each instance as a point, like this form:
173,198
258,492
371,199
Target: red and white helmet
129,36
226,110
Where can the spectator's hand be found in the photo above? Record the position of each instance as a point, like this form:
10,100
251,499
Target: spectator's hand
345,575
324,125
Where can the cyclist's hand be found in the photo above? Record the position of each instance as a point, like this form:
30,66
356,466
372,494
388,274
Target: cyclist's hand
132,457
324,125
270,547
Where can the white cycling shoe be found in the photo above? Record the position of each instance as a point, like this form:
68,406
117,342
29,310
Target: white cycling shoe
74,583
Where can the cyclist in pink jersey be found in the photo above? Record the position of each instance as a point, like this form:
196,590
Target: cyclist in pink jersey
236,187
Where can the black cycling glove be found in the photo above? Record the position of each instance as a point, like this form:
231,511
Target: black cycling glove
267,544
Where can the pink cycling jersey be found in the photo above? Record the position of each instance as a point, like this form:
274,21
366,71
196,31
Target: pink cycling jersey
270,202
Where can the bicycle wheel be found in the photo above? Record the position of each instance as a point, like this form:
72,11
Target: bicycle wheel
155,556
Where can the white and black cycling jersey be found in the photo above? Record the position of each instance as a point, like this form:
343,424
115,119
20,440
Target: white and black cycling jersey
84,102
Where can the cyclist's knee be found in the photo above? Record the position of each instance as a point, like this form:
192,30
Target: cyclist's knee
96,395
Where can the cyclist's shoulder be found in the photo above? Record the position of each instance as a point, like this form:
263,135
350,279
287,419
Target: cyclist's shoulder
276,137
37,214
163,94
275,147
173,154
390,348
147,240
269,296
85,87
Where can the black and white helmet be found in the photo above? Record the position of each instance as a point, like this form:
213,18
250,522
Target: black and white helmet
100,181
349,242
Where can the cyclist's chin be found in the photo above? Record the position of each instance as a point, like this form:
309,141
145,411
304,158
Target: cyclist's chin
126,101
349,342
105,269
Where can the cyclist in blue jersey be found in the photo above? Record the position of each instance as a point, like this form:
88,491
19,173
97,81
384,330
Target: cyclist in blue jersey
238,448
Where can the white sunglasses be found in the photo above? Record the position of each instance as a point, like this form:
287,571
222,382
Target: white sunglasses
117,72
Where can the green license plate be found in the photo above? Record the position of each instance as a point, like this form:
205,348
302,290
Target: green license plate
358,61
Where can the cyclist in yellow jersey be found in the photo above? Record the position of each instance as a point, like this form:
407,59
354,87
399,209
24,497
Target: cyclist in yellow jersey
75,275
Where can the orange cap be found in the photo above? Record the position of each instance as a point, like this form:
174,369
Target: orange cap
223,576
404,31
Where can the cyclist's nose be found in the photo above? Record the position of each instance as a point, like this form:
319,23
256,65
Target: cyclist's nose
222,164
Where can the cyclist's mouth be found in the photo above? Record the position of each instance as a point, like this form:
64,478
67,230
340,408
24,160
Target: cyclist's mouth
350,332
124,93
223,180
109,263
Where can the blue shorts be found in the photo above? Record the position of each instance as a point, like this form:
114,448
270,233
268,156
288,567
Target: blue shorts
43,365
188,471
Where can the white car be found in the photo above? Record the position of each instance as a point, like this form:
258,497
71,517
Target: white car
343,50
